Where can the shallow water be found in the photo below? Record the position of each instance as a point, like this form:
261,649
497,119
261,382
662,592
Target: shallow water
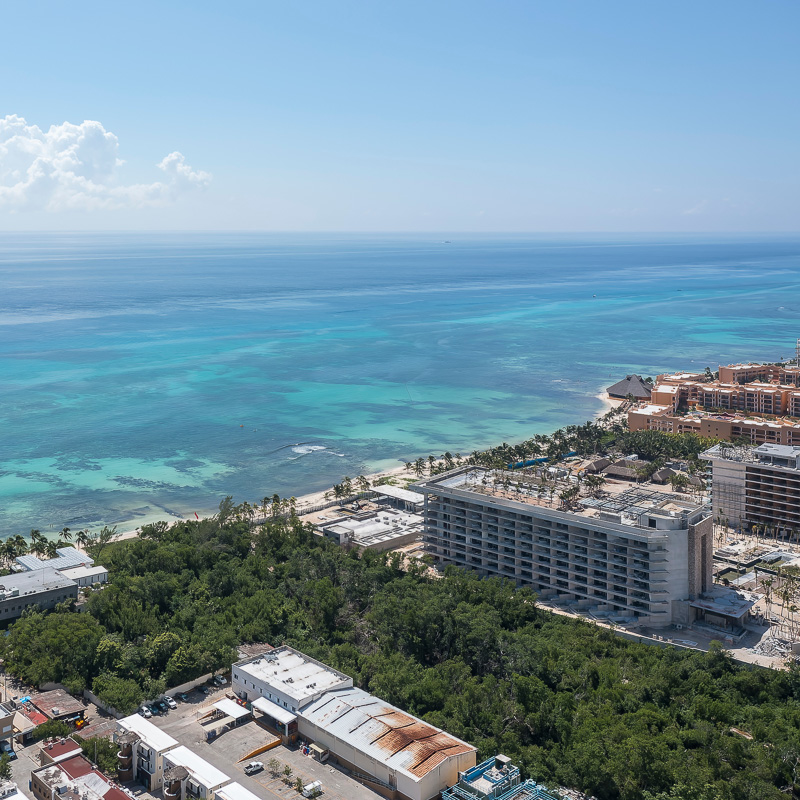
143,375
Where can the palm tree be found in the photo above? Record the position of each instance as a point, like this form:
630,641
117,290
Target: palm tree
65,534
363,483
82,538
38,543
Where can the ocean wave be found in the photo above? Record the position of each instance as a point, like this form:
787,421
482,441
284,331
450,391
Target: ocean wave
305,449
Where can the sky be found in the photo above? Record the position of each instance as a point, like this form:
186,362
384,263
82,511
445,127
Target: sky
400,116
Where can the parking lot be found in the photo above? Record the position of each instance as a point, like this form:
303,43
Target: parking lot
226,751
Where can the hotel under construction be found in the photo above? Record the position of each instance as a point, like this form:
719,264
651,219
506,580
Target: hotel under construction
756,486
634,555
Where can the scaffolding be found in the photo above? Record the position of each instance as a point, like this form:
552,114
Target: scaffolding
495,779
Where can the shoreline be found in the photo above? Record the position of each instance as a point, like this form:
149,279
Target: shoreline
316,497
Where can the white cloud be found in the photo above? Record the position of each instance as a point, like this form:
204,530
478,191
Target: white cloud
76,167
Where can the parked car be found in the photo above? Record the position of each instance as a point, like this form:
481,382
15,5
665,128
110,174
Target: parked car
220,680
253,767
155,709
162,706
6,748
145,712
170,701
203,689
183,697
312,789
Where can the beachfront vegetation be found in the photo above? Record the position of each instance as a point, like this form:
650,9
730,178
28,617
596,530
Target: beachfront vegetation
570,702
593,438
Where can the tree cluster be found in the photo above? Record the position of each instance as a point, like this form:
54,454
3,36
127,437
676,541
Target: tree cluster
571,703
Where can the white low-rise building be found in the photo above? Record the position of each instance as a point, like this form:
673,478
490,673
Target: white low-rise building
86,575
285,677
142,748
234,791
187,774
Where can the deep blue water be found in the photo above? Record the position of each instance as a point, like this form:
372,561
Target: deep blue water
143,374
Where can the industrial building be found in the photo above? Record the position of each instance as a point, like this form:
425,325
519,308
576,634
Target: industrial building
47,582
495,779
633,555
756,486
286,677
44,588
142,746
383,746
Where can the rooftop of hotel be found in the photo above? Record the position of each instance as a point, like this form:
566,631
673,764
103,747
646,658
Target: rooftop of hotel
732,415
618,502
296,675
782,455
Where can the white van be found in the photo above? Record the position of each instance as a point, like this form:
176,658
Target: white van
312,789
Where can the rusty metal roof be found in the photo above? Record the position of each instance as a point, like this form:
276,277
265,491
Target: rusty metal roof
383,732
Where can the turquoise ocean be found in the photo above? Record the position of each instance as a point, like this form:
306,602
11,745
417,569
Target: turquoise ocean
145,376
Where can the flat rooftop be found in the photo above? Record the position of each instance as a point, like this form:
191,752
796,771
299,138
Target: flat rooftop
371,527
67,557
781,455
293,673
33,582
150,734
399,494
202,772
725,602
76,573
75,779
57,703
235,791
619,502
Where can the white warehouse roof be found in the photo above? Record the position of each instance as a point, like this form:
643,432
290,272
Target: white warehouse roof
150,734
383,732
203,772
295,675
274,710
235,791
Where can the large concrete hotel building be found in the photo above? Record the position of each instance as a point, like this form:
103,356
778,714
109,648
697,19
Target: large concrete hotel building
637,554
753,402
756,486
